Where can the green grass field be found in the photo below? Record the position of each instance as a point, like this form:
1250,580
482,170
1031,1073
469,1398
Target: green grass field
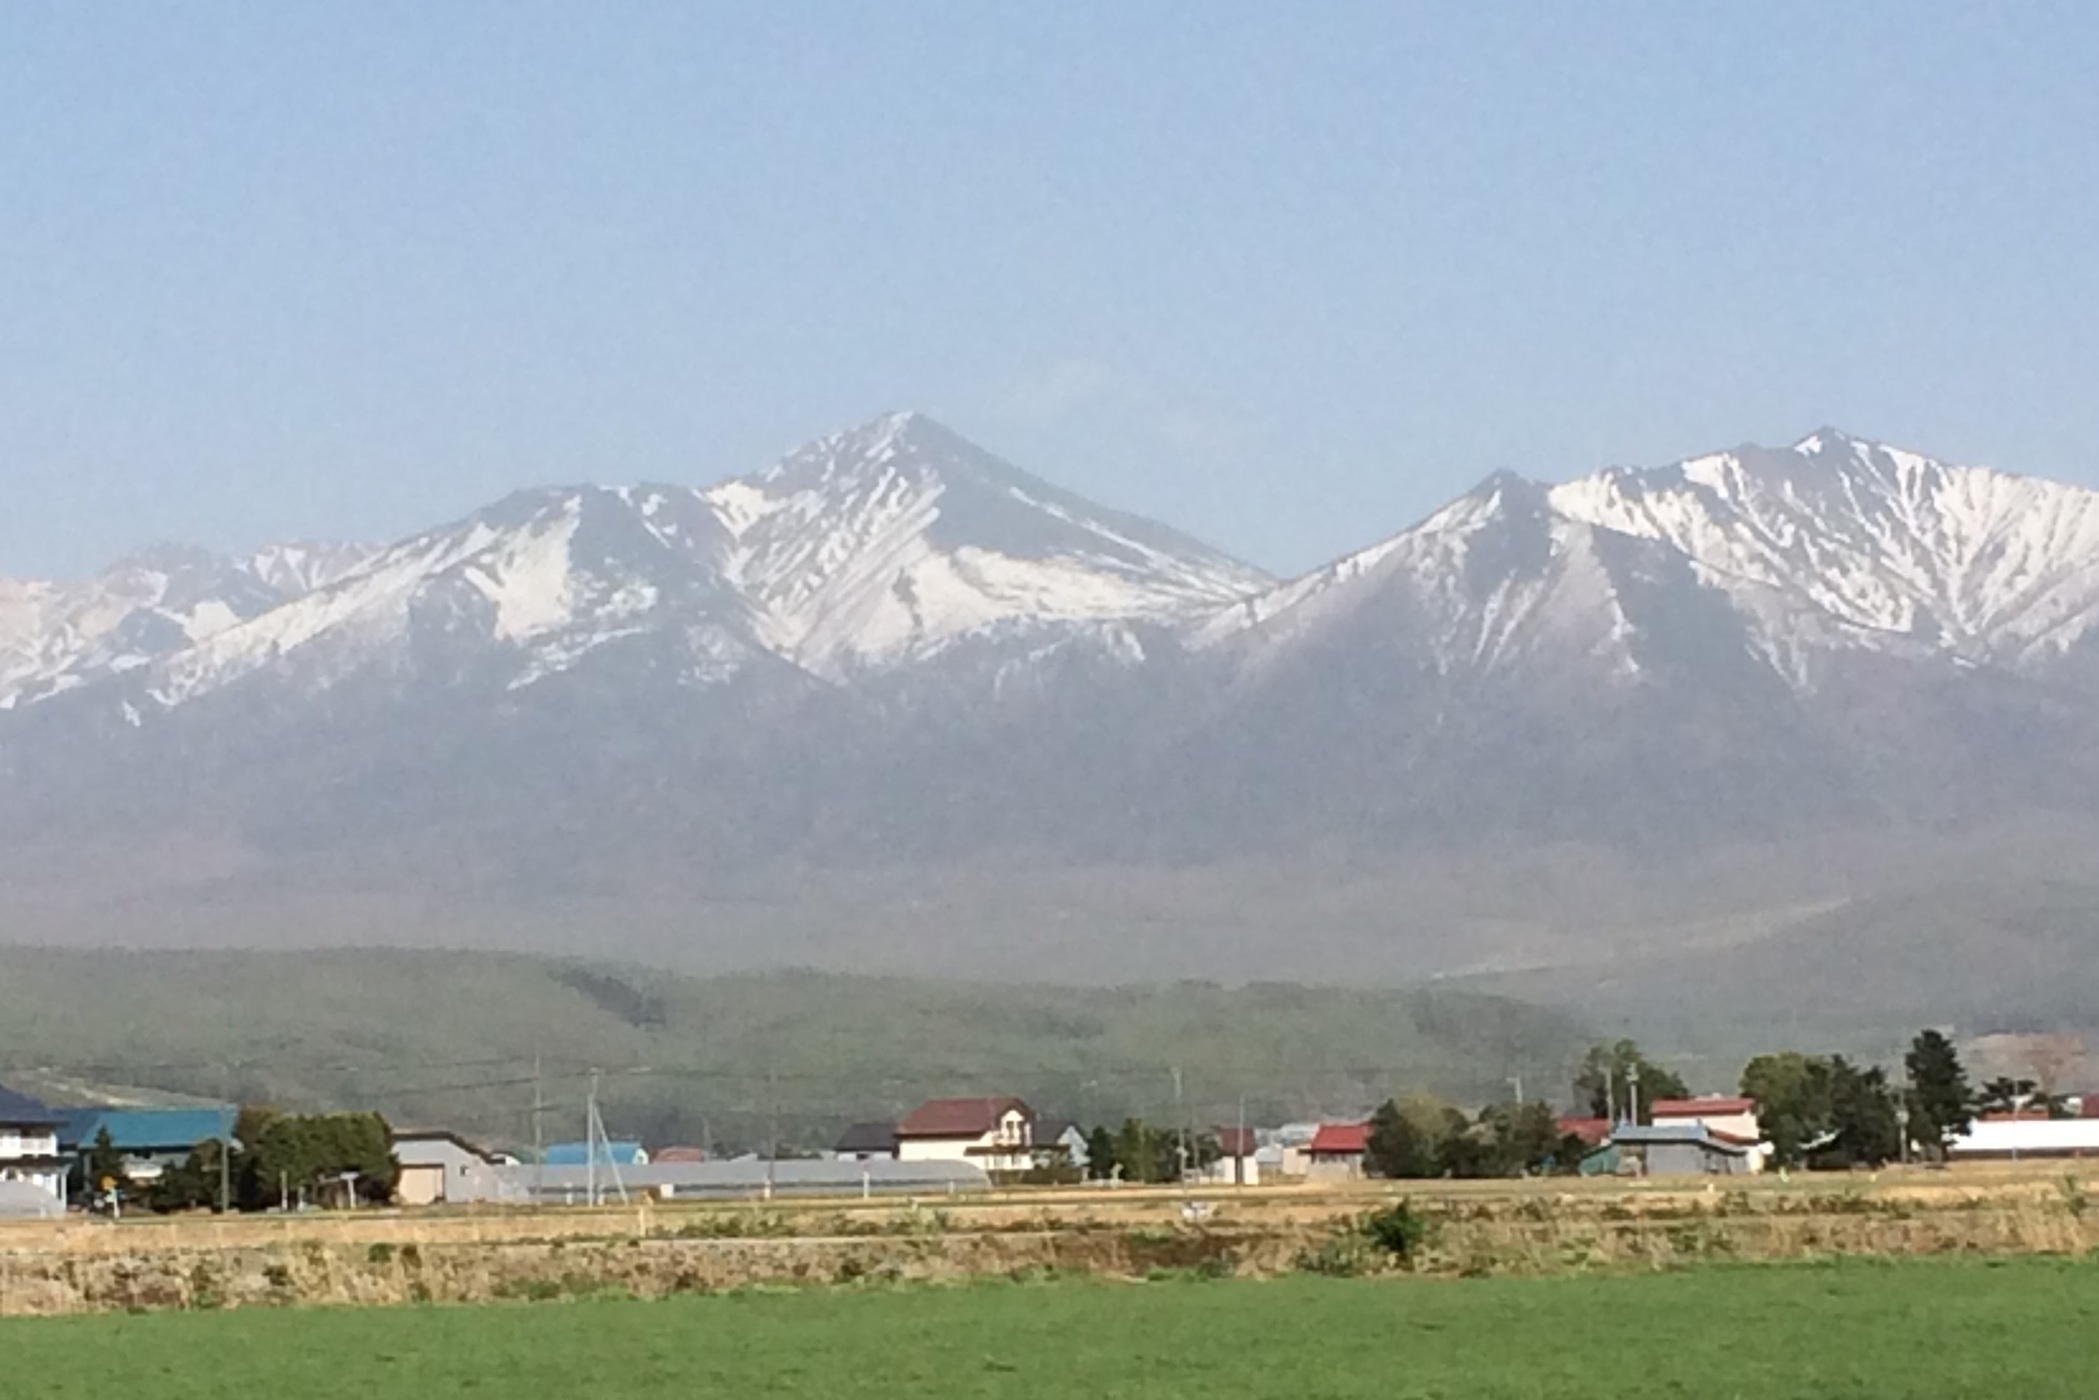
1938,1328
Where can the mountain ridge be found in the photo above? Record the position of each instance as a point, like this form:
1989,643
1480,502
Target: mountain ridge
882,545
893,657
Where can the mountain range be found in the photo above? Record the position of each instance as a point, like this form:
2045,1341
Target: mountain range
893,702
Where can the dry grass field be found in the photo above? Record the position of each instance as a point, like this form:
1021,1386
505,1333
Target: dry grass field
652,1249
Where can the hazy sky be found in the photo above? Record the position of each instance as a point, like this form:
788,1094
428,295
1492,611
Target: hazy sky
1288,276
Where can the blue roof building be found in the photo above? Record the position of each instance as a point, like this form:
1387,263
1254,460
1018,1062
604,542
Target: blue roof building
146,1133
577,1154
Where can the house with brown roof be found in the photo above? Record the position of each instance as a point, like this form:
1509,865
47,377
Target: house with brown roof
1336,1151
1235,1164
996,1133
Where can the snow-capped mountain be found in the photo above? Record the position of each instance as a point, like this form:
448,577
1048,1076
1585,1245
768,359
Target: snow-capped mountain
1799,555
57,637
866,551
890,543
1839,543
1830,628
526,589
892,654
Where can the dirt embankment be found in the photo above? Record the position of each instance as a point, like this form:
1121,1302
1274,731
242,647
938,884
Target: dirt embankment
653,1252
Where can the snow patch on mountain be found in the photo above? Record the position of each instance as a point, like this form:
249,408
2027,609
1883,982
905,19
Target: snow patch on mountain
888,543
1833,545
866,550
1492,581
1842,543
57,637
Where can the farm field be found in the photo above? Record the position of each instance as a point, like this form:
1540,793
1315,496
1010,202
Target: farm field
1856,1330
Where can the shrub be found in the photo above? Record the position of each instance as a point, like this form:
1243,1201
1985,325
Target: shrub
1399,1230
1343,1256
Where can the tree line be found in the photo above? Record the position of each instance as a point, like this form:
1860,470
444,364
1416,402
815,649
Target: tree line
1820,1112
278,1160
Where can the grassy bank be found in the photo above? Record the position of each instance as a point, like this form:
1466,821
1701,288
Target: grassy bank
1943,1328
1454,1230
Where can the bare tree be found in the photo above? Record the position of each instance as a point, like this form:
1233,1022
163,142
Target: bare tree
2052,1061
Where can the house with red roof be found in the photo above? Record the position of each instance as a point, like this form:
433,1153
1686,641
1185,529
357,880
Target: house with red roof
1336,1151
1728,1118
996,1133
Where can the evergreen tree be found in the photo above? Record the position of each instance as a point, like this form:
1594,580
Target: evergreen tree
2004,1095
1397,1148
104,1164
1100,1154
1146,1153
1861,1117
1521,1138
191,1184
1939,1097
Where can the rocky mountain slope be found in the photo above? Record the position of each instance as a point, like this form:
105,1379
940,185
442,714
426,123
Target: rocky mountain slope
892,654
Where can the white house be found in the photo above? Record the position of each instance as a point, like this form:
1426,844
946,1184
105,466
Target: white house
997,1134
1336,1151
1728,1118
29,1145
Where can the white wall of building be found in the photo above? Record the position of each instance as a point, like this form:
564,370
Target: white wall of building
1005,1148
22,1158
2036,1137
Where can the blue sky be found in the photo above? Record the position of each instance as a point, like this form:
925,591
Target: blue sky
1285,276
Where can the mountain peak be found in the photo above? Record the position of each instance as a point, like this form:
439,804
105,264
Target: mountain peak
1827,441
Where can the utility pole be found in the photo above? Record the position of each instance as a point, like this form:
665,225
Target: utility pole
772,1130
590,1142
1239,1152
1179,1125
1632,1092
226,1143
1516,1081
539,1147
